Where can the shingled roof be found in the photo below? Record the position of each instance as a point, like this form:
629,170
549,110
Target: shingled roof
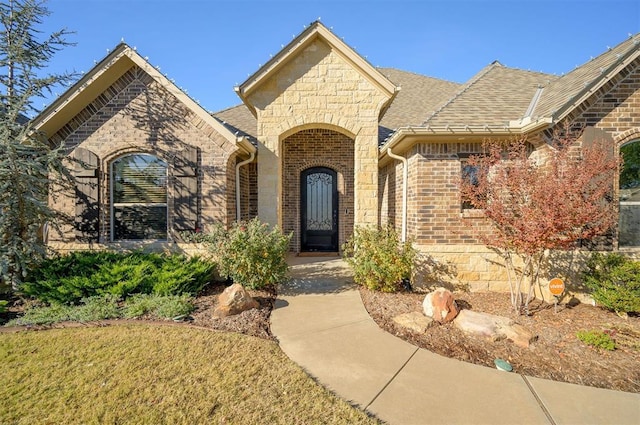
240,121
496,97
418,98
558,98
493,97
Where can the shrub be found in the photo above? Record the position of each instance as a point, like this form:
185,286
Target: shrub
43,315
597,339
157,306
378,259
106,306
614,282
179,275
251,253
70,278
100,307
3,305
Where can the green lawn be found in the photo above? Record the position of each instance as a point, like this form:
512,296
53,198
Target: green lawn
157,374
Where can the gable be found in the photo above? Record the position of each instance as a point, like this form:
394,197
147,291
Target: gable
563,96
301,58
104,81
614,109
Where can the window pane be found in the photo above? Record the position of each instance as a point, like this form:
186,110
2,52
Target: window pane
139,197
629,224
140,179
469,174
140,222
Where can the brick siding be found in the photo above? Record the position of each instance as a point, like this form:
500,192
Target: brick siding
317,148
135,114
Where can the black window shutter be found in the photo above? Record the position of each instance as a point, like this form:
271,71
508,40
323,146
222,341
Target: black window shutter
87,217
185,173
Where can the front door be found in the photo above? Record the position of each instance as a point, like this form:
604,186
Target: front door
319,210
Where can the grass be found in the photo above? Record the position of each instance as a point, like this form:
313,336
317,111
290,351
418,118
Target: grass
141,374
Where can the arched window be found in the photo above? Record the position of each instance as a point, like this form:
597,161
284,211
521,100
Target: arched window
138,198
629,225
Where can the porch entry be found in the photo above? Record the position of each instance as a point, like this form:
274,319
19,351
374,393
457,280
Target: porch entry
319,210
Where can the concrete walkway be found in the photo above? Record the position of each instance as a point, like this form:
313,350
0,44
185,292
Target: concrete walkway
322,325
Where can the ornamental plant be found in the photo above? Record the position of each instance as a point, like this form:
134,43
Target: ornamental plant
614,282
379,260
69,278
251,253
534,204
597,339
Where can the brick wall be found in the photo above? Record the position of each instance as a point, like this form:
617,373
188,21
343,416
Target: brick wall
135,114
614,108
317,148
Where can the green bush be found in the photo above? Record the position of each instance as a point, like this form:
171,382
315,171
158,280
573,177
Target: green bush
44,315
99,307
597,339
3,305
251,253
83,274
102,307
614,282
378,259
157,306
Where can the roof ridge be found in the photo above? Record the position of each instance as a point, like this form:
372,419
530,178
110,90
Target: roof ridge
464,88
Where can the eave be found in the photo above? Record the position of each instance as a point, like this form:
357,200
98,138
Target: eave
405,137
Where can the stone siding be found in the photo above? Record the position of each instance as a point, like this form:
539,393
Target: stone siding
318,88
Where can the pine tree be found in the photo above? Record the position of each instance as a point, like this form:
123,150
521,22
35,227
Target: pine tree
29,164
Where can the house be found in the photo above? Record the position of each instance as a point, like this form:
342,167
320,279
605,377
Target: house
322,142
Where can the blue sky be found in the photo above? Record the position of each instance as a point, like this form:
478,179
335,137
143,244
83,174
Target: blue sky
207,47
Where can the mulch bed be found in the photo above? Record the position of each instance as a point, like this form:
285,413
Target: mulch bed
557,354
254,322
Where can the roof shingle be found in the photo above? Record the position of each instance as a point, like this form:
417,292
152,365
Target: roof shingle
564,89
494,97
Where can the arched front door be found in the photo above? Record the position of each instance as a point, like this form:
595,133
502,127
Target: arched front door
319,210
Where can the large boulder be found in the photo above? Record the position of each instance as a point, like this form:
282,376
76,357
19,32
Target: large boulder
414,321
493,327
234,300
440,305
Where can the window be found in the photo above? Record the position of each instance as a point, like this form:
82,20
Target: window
629,222
469,174
139,198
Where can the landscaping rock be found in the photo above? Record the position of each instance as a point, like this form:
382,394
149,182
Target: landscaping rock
440,305
234,300
494,327
414,321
